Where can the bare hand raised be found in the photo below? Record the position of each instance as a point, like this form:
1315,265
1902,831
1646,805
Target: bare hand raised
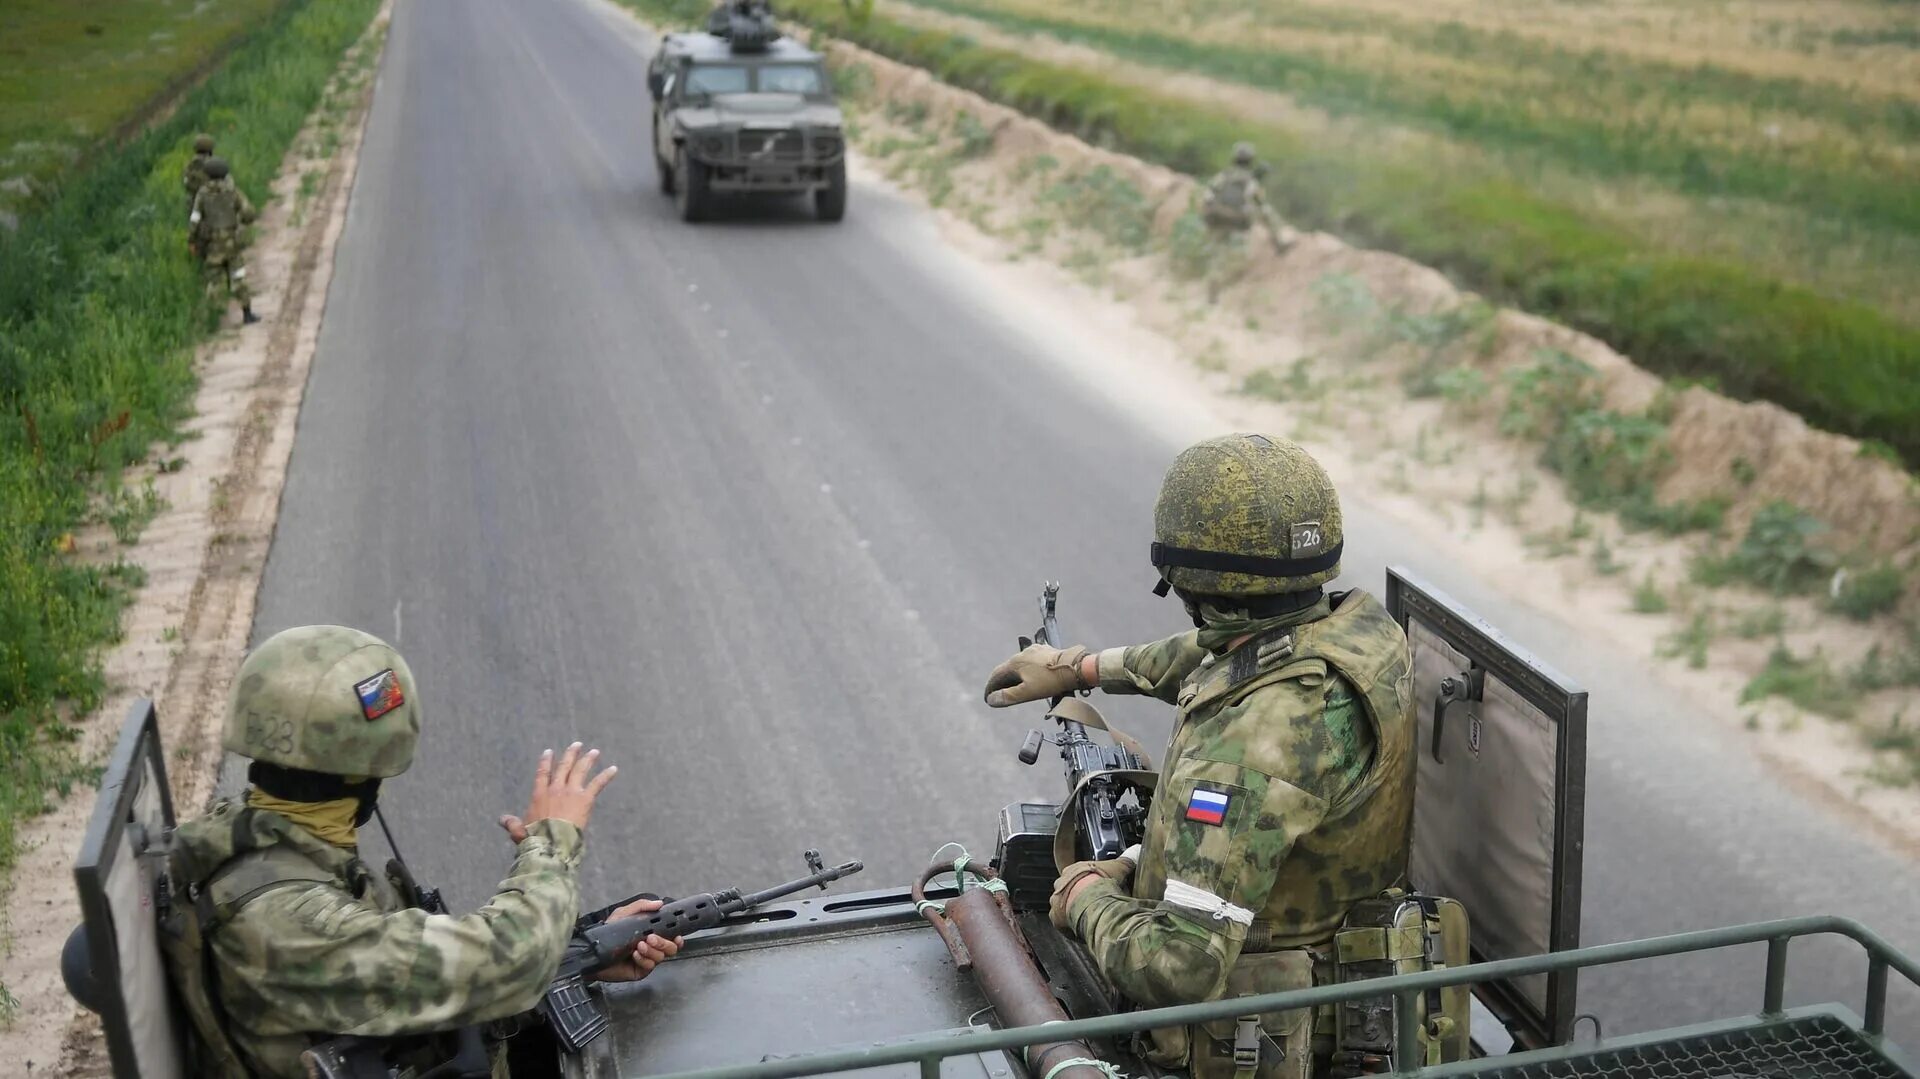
563,790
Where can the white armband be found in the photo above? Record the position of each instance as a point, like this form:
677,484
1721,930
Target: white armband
1182,894
194,218
1132,854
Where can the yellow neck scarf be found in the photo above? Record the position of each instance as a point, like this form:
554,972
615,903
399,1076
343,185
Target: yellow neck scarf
331,821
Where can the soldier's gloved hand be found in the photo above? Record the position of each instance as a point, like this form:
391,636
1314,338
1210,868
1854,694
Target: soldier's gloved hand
1068,884
1037,673
646,955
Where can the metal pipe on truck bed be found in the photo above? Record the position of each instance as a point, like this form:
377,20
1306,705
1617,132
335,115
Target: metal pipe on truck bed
1011,982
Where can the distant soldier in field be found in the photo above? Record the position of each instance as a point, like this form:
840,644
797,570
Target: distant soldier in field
194,176
1233,201
220,210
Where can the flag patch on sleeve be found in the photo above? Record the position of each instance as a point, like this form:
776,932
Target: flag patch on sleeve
379,694
1207,807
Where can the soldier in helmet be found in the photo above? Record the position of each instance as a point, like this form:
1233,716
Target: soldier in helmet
1287,792
195,174
298,941
1233,200
220,210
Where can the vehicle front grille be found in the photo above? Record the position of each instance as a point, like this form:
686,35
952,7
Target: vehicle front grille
773,145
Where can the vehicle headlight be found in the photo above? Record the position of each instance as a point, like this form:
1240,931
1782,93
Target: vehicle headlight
713,145
827,143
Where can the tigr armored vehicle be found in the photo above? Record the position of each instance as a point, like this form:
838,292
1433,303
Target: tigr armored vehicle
740,109
961,975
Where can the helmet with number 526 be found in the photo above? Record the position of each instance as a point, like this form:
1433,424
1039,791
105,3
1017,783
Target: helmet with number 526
1246,515
325,699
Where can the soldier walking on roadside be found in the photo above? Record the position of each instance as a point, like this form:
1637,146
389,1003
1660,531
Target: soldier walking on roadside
1233,200
194,176
219,212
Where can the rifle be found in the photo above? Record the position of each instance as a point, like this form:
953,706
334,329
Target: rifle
576,1017
1107,827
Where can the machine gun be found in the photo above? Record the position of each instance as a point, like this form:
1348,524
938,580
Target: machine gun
576,1017
1107,823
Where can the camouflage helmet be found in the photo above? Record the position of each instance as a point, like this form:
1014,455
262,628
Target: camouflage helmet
1246,515
325,699
1243,153
203,144
216,168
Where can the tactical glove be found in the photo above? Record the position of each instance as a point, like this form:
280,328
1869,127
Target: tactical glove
1118,870
1038,673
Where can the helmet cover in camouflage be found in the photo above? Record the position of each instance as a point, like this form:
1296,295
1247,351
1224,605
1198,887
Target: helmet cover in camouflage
325,699
1246,515
217,168
1243,153
203,144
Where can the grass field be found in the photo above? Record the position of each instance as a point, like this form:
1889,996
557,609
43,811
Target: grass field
73,72
1726,194
100,310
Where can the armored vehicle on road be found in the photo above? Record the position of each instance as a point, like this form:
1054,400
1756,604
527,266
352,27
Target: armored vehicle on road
960,975
740,109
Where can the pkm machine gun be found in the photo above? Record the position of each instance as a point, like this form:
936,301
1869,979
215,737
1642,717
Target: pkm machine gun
577,1017
1109,787
746,25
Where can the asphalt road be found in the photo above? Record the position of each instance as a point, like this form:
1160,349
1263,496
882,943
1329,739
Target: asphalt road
754,505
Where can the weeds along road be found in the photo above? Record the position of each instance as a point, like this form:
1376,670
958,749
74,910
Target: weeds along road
755,505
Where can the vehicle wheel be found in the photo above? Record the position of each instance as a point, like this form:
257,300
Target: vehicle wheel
830,202
690,186
661,165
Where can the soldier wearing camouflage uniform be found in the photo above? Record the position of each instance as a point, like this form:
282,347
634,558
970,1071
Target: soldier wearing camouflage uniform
1286,795
1233,201
220,210
298,941
194,176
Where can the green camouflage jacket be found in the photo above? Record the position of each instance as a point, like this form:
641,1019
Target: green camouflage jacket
219,209
347,956
1286,796
194,176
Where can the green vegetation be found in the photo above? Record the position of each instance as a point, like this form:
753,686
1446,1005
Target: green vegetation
1871,591
1649,597
99,313
1780,553
1810,682
1493,228
71,74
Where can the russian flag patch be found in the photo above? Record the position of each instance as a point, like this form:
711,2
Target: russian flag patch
379,694
1207,807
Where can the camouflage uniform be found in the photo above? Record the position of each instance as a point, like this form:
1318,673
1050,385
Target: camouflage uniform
1307,731
220,210
1286,795
1234,200
343,954
194,176
301,941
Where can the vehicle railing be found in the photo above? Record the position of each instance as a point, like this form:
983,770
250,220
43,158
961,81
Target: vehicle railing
1406,988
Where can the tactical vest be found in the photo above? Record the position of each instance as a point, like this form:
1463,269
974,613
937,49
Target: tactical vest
1296,938
1373,822
219,205
1227,200
205,897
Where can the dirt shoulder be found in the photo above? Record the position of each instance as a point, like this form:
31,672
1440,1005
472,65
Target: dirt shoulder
203,556
1406,387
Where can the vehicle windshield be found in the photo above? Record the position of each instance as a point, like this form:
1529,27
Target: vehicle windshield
707,79
791,79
